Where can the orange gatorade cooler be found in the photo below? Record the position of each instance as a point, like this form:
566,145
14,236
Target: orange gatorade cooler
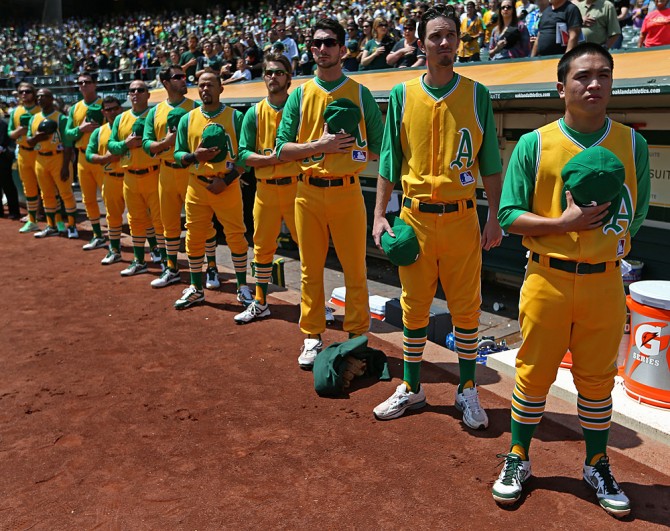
647,369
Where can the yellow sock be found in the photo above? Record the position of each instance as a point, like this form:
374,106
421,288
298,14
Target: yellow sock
596,458
520,451
468,384
70,220
260,296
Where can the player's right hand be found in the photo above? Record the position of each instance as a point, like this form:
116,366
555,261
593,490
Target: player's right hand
335,142
379,227
203,154
88,127
133,141
170,139
577,218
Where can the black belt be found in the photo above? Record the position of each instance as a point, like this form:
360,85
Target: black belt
82,150
171,164
45,153
326,183
115,174
281,181
437,208
24,148
143,171
204,179
581,268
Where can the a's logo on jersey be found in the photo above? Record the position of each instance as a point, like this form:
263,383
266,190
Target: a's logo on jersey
623,217
620,247
465,156
467,178
359,156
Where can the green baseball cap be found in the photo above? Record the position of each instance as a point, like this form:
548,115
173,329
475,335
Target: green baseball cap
214,136
342,115
138,127
594,176
174,116
403,250
94,114
24,120
47,126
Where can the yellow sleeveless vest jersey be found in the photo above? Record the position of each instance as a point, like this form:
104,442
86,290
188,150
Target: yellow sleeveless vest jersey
79,116
160,123
55,142
440,167
103,140
20,111
313,105
197,122
135,159
606,243
267,124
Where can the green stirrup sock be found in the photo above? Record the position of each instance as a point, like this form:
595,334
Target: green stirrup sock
522,434
97,231
196,280
414,342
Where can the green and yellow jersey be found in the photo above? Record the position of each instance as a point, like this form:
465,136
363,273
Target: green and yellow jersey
56,142
76,117
259,135
98,145
533,183
442,166
15,122
155,127
189,134
303,122
135,159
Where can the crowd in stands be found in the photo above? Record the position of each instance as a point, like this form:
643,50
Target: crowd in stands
380,35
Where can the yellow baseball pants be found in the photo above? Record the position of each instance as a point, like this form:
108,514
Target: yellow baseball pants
451,253
272,204
338,213
90,180
560,311
112,195
141,195
26,166
172,185
48,176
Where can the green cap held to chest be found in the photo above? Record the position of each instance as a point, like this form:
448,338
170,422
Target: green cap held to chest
342,115
214,136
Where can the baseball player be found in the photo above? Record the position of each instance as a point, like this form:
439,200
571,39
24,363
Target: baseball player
78,132
329,201
18,129
276,182
572,296
439,136
97,152
140,180
172,180
52,164
213,186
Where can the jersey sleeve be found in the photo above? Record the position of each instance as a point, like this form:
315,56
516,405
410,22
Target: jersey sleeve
373,121
92,147
489,154
149,135
288,128
10,121
62,128
519,183
643,182
116,146
72,133
248,136
390,161
238,118
181,147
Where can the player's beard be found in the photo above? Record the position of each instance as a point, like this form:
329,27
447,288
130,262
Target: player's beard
277,88
328,62
206,98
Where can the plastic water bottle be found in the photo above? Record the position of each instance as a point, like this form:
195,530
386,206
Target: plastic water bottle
450,342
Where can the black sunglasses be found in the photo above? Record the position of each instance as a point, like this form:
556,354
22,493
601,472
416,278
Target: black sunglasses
138,90
505,8
26,92
84,82
110,109
329,42
177,77
278,73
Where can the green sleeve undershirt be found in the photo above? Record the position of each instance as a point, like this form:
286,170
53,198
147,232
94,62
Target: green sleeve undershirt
62,127
10,125
248,135
149,135
519,184
181,148
72,133
488,156
92,147
116,146
288,128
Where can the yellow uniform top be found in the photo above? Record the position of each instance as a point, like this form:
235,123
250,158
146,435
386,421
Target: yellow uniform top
315,99
136,158
443,166
156,125
76,117
15,122
103,146
54,144
189,134
606,243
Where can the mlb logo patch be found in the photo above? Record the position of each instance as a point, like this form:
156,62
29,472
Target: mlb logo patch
620,247
230,165
467,178
359,156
